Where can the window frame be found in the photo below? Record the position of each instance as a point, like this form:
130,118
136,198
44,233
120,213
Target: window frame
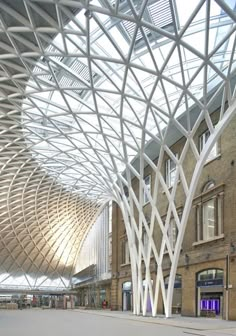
169,171
202,140
148,185
172,228
216,194
125,255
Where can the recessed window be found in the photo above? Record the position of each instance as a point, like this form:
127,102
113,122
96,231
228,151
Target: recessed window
209,211
211,274
170,168
203,140
147,189
209,220
172,233
125,257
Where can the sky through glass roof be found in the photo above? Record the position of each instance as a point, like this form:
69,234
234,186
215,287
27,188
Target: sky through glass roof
113,79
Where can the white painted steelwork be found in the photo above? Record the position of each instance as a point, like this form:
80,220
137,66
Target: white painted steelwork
95,96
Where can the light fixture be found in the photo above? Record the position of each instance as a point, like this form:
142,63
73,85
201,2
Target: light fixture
186,259
208,256
88,14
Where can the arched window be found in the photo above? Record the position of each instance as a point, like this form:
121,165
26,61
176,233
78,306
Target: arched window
209,185
209,212
178,281
127,286
213,277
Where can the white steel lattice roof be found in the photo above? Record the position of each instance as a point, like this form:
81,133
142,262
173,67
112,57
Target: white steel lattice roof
106,86
85,87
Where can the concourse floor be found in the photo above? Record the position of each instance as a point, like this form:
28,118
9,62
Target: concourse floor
79,322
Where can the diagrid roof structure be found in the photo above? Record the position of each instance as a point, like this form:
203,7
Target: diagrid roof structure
85,88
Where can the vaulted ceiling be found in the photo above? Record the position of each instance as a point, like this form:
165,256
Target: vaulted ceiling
85,87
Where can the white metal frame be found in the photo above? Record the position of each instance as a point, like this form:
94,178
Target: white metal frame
84,129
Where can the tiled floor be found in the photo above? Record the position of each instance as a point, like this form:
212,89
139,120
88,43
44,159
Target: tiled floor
100,323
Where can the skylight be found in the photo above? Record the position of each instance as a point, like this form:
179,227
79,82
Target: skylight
114,77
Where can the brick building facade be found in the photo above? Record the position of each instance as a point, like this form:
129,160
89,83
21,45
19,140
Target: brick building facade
206,276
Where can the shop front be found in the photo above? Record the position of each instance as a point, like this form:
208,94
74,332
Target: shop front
210,293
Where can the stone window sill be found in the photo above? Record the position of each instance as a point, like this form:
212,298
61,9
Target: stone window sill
123,265
200,242
170,188
217,157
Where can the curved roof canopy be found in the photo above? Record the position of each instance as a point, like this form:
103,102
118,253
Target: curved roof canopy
112,79
85,87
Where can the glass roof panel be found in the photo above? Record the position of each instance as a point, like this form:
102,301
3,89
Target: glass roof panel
118,69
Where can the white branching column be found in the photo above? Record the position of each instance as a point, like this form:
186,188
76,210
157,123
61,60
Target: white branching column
169,179
103,89
137,228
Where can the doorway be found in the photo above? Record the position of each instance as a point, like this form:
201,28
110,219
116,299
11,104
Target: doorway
210,293
126,296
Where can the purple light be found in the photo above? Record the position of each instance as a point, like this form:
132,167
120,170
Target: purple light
210,304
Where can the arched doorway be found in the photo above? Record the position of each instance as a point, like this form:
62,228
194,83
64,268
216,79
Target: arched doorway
149,306
177,294
210,286
127,296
